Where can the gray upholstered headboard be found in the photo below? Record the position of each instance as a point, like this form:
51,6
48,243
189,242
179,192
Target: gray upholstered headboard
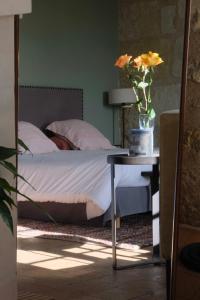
43,105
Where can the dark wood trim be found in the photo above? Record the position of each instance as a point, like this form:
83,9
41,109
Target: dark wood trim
180,149
16,49
16,74
168,275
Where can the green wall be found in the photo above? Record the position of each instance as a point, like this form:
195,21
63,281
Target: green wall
73,44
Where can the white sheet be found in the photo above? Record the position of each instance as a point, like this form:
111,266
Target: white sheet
76,177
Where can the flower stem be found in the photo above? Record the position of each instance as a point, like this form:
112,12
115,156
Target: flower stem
144,92
137,98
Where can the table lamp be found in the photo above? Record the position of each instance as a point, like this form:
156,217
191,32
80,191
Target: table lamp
124,97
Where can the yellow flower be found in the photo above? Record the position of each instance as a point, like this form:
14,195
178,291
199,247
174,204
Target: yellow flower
147,60
122,61
139,62
154,59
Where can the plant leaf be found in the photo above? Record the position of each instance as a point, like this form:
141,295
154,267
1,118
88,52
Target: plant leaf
6,215
38,206
10,167
151,113
138,77
24,179
21,143
6,153
6,186
139,101
135,83
4,197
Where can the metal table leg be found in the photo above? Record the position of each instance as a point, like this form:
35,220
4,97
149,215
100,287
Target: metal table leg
114,217
155,259
155,211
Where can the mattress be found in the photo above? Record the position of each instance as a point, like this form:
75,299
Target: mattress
76,177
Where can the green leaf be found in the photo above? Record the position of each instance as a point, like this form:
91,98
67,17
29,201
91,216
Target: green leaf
4,197
24,179
6,186
38,206
5,200
6,153
10,167
135,83
6,215
21,143
138,102
151,113
139,77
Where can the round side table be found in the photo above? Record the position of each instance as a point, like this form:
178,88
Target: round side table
125,159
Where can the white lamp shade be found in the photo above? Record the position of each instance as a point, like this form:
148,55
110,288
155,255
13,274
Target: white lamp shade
120,96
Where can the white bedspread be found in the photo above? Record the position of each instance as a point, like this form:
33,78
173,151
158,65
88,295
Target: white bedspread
76,177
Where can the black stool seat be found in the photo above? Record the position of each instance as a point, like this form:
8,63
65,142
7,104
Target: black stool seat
190,257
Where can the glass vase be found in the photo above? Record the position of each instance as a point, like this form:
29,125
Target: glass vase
145,122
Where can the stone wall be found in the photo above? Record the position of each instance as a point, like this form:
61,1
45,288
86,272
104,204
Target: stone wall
190,197
187,222
154,25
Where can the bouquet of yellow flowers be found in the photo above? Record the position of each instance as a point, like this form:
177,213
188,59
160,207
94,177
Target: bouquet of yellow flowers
139,72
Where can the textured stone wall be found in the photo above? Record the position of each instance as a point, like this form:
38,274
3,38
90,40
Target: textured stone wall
156,25
185,283
190,193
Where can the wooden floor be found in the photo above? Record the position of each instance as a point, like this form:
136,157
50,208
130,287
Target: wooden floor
60,270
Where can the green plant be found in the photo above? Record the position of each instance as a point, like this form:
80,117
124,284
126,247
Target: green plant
6,189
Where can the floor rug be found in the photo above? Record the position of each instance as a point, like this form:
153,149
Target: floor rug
135,231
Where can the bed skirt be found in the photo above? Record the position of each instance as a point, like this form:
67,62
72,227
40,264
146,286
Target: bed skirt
130,200
61,212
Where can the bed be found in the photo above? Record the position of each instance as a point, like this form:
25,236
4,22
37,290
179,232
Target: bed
73,186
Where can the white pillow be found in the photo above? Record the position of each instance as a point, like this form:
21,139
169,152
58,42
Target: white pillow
82,134
34,139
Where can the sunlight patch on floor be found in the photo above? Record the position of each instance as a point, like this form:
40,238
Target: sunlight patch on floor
52,261
49,260
127,252
75,250
63,263
25,233
90,246
29,257
101,252
98,254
